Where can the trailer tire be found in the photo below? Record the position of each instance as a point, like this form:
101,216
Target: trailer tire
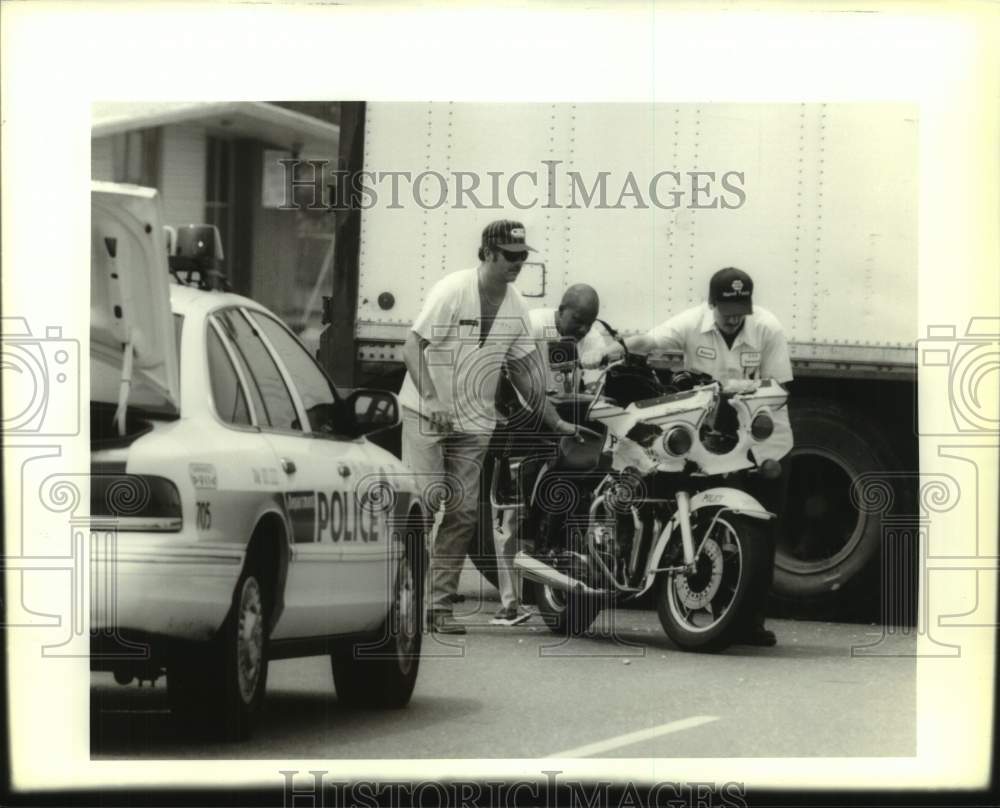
824,539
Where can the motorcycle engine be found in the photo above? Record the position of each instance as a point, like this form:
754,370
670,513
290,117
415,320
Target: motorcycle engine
612,530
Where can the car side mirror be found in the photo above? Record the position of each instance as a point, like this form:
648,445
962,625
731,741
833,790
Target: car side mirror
372,410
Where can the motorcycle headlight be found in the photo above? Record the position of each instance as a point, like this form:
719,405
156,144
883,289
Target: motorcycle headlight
762,426
770,469
677,441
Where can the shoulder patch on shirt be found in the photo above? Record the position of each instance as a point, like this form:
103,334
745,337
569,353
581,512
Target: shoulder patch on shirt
705,352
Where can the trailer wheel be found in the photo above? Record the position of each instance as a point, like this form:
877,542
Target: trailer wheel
825,540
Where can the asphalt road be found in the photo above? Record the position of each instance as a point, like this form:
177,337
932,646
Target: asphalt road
621,691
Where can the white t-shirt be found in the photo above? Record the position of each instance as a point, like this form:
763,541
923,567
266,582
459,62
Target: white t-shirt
465,368
564,377
760,351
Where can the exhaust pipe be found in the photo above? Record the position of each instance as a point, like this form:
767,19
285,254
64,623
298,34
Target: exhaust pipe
539,571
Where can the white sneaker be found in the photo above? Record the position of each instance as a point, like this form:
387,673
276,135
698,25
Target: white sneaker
509,616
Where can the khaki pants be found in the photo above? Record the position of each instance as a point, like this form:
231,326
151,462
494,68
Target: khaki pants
506,542
448,467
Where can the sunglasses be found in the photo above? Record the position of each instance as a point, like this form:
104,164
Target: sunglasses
514,257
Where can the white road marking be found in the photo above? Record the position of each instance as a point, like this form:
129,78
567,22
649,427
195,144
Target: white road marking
634,737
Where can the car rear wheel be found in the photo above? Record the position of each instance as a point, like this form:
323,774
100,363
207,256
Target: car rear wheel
219,688
382,672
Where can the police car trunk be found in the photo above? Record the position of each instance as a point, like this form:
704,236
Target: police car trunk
134,377
134,406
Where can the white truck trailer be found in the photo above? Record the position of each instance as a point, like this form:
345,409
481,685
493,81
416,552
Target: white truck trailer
644,202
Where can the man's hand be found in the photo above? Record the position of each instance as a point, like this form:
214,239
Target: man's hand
430,408
439,416
739,386
578,433
595,360
564,428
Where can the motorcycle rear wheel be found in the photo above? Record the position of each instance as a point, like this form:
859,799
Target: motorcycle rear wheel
566,614
708,609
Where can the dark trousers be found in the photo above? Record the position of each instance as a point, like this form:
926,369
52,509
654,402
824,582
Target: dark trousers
773,495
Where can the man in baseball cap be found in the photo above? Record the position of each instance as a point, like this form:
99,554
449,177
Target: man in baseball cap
473,324
505,234
731,290
734,342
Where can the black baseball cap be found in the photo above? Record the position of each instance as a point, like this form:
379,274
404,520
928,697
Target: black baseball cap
731,291
505,234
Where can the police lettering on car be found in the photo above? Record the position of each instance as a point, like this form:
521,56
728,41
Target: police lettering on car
341,516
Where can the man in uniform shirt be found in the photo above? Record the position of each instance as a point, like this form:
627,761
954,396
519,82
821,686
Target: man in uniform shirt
732,339
472,324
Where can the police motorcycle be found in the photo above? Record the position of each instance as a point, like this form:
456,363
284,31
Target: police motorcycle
648,499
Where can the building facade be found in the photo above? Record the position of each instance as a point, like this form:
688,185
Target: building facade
218,163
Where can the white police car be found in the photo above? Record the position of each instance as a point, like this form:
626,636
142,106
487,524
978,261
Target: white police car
238,512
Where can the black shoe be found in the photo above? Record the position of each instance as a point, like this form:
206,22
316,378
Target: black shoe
444,623
759,636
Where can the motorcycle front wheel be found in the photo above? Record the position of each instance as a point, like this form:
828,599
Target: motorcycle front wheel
706,610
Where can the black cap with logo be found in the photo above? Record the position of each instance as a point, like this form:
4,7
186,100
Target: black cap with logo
505,234
731,291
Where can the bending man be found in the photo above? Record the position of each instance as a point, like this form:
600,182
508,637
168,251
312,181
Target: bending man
472,323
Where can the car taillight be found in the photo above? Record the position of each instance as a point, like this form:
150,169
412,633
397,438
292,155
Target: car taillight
762,426
677,441
135,502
